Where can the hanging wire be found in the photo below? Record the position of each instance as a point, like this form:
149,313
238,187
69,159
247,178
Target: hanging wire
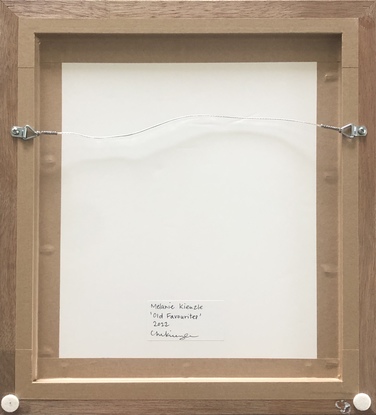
192,116
183,117
27,132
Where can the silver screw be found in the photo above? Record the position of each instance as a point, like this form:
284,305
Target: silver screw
15,131
362,130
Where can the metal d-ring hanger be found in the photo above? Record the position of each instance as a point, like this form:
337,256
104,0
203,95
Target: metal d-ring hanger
349,130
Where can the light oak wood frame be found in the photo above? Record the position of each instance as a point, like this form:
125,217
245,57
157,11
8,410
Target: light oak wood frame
355,21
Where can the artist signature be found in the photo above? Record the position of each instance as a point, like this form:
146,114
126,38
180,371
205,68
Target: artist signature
168,334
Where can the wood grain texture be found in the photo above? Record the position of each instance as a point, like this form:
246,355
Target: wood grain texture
8,187
172,368
183,407
91,9
367,200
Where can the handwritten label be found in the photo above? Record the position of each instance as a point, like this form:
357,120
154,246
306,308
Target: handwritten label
185,320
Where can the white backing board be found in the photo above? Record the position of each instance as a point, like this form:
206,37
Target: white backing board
199,210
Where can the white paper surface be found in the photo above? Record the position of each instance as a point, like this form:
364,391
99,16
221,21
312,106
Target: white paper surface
197,210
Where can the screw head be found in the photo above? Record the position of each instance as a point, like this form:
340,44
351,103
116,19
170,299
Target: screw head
362,130
15,131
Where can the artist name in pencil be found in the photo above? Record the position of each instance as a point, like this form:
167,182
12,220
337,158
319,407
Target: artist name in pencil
181,306
168,334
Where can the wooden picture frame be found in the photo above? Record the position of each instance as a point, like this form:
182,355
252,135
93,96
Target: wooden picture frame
24,26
